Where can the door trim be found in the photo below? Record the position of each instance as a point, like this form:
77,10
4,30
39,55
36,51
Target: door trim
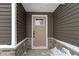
46,33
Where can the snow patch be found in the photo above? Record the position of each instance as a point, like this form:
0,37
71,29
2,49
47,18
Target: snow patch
62,52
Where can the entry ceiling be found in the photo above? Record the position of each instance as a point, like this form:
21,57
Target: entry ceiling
40,7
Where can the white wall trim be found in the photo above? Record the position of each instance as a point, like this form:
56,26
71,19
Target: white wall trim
9,47
32,34
70,46
22,42
14,25
46,33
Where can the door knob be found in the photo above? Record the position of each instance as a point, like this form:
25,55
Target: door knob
34,33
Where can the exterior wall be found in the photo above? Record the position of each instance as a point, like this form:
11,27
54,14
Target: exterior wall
5,30
5,23
29,23
66,23
19,51
21,22
23,48
53,43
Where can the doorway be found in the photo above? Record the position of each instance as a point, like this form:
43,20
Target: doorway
39,32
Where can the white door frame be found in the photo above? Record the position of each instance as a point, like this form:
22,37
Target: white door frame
46,33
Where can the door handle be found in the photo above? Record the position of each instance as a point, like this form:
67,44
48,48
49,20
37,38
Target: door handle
33,33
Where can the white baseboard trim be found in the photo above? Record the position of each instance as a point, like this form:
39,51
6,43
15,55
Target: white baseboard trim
10,47
21,42
70,46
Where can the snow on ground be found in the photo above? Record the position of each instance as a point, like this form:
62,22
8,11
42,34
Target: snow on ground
62,52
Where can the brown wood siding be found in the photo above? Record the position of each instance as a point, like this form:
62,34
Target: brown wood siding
5,23
21,22
66,23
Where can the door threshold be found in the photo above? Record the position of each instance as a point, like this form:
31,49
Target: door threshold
42,47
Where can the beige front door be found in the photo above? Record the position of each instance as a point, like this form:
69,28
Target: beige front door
39,31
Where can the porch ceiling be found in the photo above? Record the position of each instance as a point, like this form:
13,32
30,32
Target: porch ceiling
40,7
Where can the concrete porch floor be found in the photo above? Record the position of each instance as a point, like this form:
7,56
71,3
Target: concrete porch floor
37,52
49,52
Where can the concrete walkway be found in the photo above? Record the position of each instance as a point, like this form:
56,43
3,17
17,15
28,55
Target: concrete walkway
37,52
48,52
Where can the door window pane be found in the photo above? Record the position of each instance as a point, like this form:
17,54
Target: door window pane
39,22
